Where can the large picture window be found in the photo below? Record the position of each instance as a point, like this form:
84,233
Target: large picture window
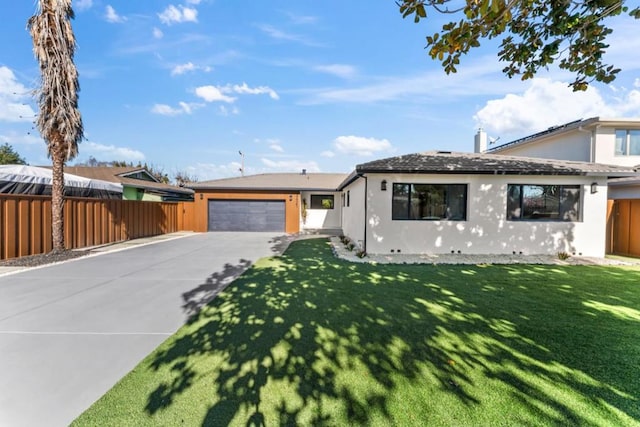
628,142
322,201
543,202
429,202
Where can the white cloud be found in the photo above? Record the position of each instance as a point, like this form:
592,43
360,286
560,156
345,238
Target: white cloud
157,33
548,103
112,16
245,89
189,66
111,152
178,14
182,68
328,154
207,171
290,165
361,146
277,147
213,94
224,111
13,98
340,70
83,4
167,110
15,138
196,2
302,19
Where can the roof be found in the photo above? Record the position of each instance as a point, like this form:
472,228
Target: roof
119,174
43,176
446,162
576,124
275,181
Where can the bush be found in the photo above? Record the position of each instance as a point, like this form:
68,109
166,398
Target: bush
361,253
563,256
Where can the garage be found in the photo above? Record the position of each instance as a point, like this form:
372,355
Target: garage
247,215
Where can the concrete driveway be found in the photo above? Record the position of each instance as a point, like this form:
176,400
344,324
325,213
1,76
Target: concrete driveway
69,332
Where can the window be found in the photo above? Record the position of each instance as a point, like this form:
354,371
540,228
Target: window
627,142
322,201
429,202
543,202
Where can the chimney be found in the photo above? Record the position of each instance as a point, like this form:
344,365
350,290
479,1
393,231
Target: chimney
304,171
480,140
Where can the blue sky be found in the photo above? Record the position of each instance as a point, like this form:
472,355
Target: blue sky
186,85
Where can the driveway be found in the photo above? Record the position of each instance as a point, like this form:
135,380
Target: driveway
69,332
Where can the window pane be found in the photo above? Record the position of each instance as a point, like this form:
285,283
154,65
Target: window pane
322,201
570,203
428,201
400,203
513,202
621,142
634,142
457,202
540,202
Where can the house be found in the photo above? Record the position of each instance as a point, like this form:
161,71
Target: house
137,183
444,202
281,202
598,140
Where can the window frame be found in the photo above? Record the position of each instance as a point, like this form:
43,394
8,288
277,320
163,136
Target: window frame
561,203
448,202
626,143
322,198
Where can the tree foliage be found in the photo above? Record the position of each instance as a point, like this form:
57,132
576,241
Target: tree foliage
535,34
8,156
59,120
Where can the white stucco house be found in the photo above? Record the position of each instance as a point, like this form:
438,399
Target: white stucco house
443,202
596,140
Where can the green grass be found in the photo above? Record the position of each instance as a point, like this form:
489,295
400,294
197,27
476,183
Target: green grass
311,340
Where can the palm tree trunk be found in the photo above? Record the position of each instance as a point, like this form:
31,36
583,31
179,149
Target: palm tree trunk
57,201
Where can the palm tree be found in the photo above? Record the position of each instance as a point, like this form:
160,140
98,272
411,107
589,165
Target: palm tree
59,120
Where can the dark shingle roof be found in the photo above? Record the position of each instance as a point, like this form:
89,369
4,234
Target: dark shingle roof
444,162
276,181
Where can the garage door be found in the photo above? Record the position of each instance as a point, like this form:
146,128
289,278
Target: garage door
246,215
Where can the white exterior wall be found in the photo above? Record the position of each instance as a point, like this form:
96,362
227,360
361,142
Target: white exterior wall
486,230
574,146
322,218
353,215
606,149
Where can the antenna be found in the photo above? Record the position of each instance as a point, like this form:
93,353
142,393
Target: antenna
242,167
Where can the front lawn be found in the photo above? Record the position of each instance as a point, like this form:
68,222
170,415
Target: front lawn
309,339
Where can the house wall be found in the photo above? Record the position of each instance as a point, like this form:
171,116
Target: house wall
201,205
605,149
322,218
575,145
353,216
486,230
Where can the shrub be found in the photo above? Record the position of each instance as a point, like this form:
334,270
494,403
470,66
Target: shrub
361,253
563,256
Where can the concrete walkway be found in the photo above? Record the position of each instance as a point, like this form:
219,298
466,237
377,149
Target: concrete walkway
70,331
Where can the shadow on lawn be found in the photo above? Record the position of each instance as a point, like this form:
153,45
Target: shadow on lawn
308,339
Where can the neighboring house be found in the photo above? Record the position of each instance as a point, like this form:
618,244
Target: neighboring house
137,183
280,202
443,202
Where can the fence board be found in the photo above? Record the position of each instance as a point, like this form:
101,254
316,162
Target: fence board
25,222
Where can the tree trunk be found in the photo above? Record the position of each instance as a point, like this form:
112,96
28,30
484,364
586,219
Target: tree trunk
57,202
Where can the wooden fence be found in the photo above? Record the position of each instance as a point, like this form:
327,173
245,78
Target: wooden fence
25,222
624,227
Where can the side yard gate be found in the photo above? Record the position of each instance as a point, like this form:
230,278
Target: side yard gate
623,227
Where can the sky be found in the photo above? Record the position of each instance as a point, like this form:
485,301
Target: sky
187,85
